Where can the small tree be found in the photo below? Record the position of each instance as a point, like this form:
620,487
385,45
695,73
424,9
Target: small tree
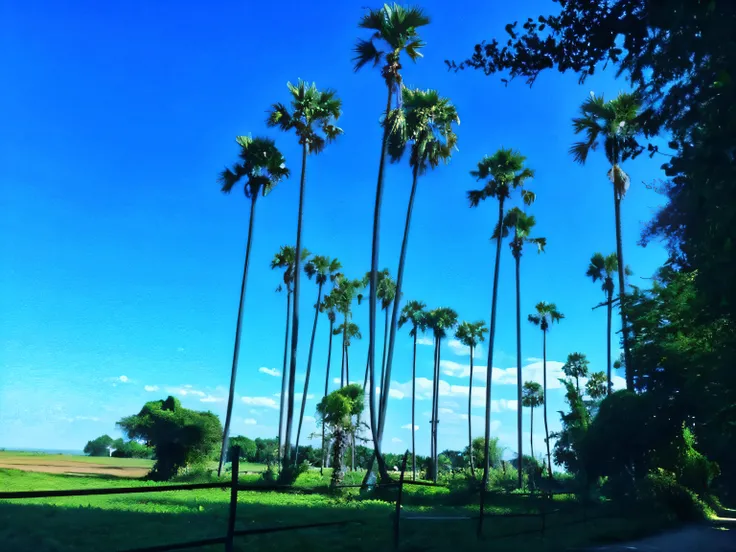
99,446
179,436
340,412
576,367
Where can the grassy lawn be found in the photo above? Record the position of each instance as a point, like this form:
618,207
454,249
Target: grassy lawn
127,521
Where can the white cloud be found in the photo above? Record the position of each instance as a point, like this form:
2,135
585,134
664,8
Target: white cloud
250,421
87,418
463,350
425,341
395,394
269,371
123,379
211,399
268,402
534,359
309,419
150,388
408,426
533,371
396,440
186,390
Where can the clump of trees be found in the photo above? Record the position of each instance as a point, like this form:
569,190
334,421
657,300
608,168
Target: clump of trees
178,436
104,445
340,411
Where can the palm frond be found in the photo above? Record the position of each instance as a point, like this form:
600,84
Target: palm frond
365,53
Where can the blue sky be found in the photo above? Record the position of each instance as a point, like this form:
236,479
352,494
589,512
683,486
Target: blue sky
122,260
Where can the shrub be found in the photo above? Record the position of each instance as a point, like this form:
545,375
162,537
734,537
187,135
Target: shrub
661,487
289,474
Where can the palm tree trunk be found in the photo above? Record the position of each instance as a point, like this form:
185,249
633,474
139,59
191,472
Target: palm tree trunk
343,383
622,292
437,408
434,399
491,340
327,389
295,310
383,363
397,300
347,364
546,429
413,401
518,368
365,378
531,435
373,290
309,371
470,425
608,339
238,330
284,375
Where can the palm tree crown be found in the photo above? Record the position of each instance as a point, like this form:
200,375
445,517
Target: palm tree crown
603,268
285,259
386,291
313,115
323,269
502,172
441,320
425,120
414,312
471,333
261,164
576,366
522,225
532,395
351,331
616,123
394,31
547,313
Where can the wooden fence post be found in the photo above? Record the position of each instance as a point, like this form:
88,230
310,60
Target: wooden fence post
397,518
235,451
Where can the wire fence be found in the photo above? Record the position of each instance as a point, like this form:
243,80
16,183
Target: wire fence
540,505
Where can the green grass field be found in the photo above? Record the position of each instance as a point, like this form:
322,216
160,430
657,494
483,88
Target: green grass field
119,522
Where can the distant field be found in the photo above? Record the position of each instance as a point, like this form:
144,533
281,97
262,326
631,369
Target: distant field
74,465
88,465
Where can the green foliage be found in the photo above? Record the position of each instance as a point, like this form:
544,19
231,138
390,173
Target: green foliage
179,436
247,447
569,447
99,446
503,172
313,115
261,165
532,394
479,455
597,386
340,412
661,487
130,449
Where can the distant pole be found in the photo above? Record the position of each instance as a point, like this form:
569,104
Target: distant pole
233,499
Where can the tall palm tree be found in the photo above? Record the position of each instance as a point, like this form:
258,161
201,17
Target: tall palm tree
522,225
502,173
425,123
344,292
616,124
603,268
285,259
470,334
576,367
386,295
312,117
261,166
440,321
545,316
349,331
414,313
329,304
393,33
322,269
532,396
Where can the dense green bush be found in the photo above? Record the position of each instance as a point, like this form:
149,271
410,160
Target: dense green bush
661,488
